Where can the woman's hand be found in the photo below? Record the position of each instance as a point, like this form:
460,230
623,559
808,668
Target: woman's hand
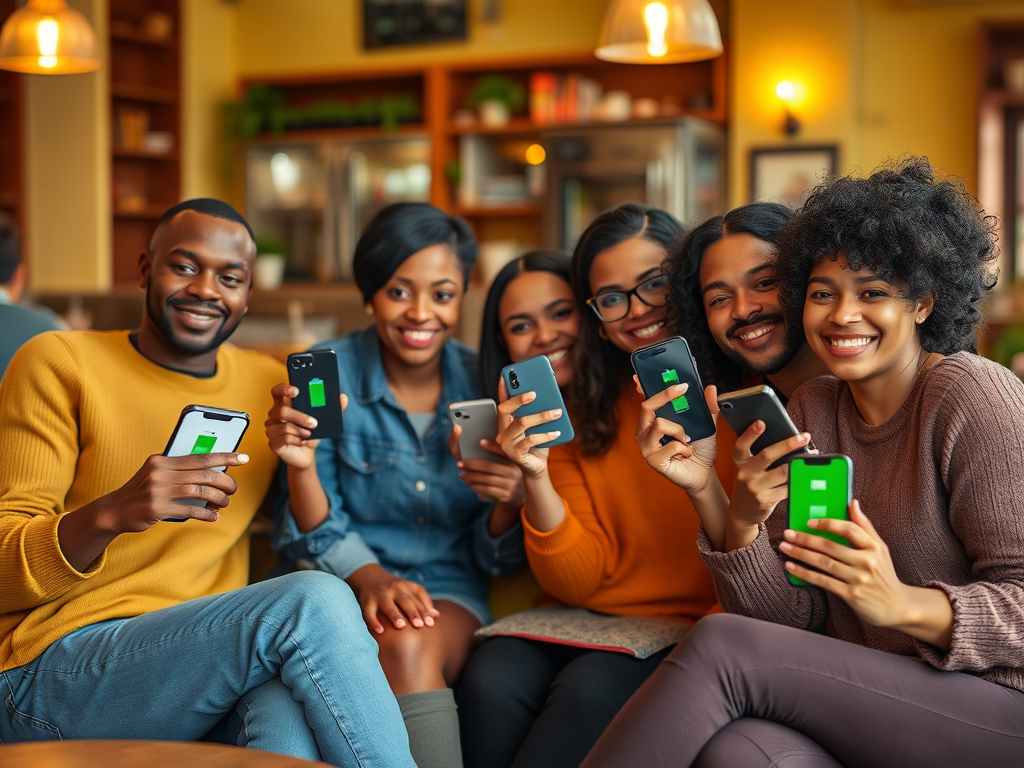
688,465
498,480
512,437
288,430
401,602
864,577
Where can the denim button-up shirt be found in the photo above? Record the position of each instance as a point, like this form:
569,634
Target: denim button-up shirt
395,499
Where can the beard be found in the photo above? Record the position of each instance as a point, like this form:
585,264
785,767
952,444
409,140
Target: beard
794,340
185,344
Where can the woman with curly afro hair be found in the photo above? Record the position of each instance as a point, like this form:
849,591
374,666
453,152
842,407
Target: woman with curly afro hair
925,604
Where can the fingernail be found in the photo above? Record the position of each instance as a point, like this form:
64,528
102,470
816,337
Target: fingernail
688,438
785,546
557,412
311,423
555,434
680,387
812,523
379,630
216,517
435,611
804,437
789,534
430,621
243,458
399,623
417,622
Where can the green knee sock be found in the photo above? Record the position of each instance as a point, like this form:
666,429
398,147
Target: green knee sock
433,725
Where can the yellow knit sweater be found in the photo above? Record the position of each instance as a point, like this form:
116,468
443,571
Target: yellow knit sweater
79,414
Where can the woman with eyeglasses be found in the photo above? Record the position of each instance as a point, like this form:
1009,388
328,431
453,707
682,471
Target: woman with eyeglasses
602,531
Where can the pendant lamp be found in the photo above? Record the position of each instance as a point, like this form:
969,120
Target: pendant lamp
46,37
660,32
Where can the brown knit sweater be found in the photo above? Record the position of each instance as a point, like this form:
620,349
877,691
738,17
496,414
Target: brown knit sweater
943,483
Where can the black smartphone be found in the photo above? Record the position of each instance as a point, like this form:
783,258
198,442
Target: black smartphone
745,406
536,375
202,429
665,364
819,486
315,375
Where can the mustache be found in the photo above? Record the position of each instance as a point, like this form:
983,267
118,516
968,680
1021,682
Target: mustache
733,332
208,305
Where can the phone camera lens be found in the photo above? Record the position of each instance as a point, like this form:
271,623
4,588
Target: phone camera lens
458,415
295,364
513,380
726,406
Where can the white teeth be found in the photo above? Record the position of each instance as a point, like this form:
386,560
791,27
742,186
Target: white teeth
557,355
851,342
419,335
650,330
758,333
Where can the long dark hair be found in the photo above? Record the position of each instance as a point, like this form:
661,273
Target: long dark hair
686,304
493,352
600,365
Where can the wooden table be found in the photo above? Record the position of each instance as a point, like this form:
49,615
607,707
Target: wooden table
140,754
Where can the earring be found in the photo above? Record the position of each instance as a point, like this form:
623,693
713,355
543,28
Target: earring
369,309
601,333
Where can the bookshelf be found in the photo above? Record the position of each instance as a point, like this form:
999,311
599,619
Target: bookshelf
145,120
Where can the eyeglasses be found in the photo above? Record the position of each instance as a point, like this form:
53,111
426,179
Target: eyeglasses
614,305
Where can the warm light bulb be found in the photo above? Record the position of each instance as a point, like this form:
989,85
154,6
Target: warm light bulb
47,33
656,19
535,154
785,90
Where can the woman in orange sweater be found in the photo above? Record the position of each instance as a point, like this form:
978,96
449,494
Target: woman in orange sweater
603,532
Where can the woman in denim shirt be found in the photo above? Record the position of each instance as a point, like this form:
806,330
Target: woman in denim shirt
383,506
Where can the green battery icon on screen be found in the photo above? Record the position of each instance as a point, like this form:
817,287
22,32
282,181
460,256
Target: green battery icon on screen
204,444
317,397
670,377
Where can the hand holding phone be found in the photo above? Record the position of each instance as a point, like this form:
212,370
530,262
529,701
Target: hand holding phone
536,375
745,407
483,467
819,487
670,363
289,430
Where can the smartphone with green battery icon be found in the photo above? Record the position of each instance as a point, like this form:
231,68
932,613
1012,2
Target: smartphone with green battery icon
819,486
204,429
315,375
666,364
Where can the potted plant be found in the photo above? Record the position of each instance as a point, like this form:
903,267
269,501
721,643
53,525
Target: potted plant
496,97
271,257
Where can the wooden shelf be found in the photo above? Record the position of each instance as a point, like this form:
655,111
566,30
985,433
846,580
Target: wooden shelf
355,132
1003,98
141,38
150,212
143,93
481,211
523,125
141,154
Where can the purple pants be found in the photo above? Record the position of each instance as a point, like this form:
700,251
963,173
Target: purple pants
739,693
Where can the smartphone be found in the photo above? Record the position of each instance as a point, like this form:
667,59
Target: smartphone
479,421
315,375
202,429
664,364
535,375
745,406
819,486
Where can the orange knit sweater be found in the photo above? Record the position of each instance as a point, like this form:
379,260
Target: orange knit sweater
627,545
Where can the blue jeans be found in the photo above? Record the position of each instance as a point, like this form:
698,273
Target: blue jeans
291,656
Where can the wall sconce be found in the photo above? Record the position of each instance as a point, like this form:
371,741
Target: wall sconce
46,37
785,90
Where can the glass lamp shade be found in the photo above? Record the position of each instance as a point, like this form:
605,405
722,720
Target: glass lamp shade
659,32
46,37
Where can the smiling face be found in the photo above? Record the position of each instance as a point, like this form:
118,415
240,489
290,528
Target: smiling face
859,325
538,316
198,276
621,268
418,308
740,289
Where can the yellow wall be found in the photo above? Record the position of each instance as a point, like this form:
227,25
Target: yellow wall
67,172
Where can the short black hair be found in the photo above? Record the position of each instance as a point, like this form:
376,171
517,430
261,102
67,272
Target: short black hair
601,367
10,248
208,206
921,234
686,303
400,230
493,352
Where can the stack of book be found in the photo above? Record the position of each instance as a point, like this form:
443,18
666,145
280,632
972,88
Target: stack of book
563,98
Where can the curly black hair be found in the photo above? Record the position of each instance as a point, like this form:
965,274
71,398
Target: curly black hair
686,311
921,234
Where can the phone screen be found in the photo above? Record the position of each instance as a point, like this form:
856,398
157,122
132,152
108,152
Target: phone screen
819,486
665,364
205,430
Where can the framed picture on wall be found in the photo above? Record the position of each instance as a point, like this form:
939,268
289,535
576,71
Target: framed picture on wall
786,174
388,23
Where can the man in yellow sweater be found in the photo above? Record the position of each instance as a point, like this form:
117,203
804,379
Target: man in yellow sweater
115,623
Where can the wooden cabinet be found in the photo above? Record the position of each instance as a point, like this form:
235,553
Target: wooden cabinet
12,140
145,121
